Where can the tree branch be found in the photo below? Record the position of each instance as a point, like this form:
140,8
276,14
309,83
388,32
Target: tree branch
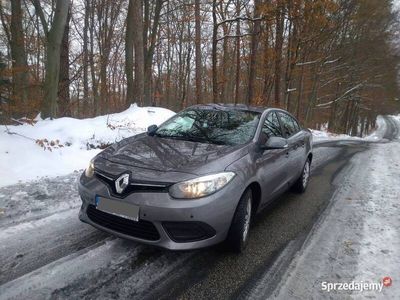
342,96
233,36
39,11
239,18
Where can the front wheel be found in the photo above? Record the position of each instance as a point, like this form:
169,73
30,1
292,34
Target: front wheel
301,184
239,230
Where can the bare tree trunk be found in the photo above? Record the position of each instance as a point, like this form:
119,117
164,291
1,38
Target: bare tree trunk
19,64
169,59
313,96
64,81
299,93
268,78
96,100
225,66
104,83
214,53
289,59
255,38
85,57
149,52
278,51
332,117
198,50
237,79
129,63
137,21
53,51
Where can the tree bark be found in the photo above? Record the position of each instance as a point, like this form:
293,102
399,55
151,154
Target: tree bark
64,80
19,64
53,50
96,100
86,57
198,50
255,38
137,23
225,66
129,62
149,53
278,51
237,76
214,53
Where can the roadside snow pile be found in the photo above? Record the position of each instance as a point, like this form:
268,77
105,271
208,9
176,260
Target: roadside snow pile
60,146
397,120
323,135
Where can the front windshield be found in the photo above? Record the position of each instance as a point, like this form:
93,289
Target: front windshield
211,126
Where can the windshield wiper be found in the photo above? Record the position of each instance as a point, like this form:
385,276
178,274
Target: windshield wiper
167,136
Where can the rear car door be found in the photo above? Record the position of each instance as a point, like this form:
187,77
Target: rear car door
292,132
272,164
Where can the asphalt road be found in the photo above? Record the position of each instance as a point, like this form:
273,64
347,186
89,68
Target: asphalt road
46,252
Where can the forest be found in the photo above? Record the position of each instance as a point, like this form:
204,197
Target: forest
332,63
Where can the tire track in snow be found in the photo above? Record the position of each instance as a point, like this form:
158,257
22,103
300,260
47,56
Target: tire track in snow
33,200
31,245
106,269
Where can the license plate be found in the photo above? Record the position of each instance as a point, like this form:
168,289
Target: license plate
118,208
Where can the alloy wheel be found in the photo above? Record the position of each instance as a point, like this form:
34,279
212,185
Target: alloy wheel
247,218
306,173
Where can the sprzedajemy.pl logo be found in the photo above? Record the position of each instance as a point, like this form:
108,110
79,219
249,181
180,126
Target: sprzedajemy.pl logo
358,286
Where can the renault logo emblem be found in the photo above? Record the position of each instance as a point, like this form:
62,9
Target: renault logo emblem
121,183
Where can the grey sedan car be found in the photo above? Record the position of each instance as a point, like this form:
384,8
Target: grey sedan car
198,178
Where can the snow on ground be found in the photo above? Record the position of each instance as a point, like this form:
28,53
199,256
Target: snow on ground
357,238
22,159
324,135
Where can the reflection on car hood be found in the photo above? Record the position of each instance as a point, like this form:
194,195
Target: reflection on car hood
170,155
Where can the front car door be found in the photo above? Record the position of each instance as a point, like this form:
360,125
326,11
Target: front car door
271,164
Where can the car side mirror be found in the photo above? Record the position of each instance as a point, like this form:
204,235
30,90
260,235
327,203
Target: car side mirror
151,130
275,142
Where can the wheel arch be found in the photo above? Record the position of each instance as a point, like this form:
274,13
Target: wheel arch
256,195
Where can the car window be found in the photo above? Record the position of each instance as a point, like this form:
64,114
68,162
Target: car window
296,125
271,126
290,126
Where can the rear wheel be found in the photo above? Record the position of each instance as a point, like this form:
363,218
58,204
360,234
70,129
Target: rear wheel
301,184
239,230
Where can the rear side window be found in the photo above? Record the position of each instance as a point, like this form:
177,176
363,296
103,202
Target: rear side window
290,125
271,126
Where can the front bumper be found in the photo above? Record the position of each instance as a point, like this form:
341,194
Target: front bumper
172,218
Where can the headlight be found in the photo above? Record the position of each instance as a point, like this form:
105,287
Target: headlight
200,187
90,169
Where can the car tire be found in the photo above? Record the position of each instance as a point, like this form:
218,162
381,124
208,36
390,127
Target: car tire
239,231
301,184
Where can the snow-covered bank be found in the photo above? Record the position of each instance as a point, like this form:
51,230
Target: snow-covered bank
376,135
70,141
357,239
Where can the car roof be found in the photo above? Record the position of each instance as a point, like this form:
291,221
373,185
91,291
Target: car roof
230,106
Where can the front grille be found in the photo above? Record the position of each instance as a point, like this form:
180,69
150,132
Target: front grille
191,231
133,187
141,229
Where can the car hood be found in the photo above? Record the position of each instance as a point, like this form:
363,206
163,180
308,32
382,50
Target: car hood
158,156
